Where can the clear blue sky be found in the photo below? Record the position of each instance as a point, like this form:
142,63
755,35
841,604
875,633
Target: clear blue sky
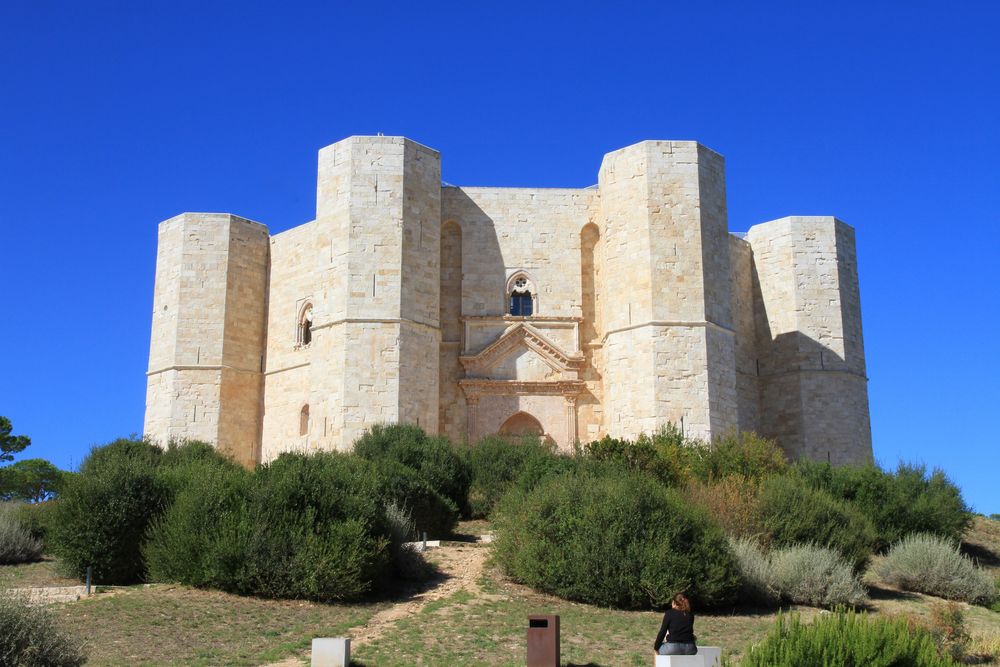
115,116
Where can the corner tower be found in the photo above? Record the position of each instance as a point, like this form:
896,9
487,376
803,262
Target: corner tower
813,384
205,356
376,335
669,350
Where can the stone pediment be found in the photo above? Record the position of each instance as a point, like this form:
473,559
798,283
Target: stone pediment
516,340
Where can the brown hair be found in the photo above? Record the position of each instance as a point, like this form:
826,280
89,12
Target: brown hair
682,603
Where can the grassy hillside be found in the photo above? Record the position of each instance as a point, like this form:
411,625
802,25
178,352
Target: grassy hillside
470,615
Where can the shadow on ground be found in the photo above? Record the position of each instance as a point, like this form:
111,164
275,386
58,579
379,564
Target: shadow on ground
981,554
876,592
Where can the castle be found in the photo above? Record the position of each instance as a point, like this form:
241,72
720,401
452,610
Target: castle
566,313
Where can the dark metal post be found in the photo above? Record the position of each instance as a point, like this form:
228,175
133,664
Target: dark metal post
88,580
543,641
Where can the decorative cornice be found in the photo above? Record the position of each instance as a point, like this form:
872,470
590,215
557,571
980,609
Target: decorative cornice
523,334
535,319
474,388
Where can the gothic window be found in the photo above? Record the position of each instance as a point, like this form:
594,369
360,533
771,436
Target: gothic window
304,332
520,297
304,420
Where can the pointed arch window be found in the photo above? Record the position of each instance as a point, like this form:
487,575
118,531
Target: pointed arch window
522,297
304,420
304,329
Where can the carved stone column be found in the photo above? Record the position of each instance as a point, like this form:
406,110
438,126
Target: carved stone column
471,405
571,426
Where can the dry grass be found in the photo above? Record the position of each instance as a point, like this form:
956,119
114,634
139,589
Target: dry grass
176,625
488,627
982,544
43,573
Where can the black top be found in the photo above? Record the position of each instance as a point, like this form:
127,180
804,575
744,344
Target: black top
680,625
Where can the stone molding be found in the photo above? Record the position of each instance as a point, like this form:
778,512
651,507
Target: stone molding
474,388
375,320
668,323
523,334
200,367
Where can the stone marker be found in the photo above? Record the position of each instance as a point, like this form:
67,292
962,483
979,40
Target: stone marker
331,652
707,656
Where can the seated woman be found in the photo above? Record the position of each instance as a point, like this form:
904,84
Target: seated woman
678,628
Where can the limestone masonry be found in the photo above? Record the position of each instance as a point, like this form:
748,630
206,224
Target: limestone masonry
568,313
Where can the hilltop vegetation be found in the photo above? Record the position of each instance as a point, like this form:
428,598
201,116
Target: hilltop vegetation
617,523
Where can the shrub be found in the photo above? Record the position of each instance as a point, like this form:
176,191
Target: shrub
318,529
757,578
732,502
665,455
536,470
17,545
801,574
845,638
495,463
434,458
930,564
900,503
310,527
613,538
948,630
104,512
407,563
201,540
405,487
794,513
743,454
36,517
30,636
815,576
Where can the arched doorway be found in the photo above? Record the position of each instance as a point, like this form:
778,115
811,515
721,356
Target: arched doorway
522,424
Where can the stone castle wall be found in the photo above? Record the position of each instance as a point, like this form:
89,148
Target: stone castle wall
645,310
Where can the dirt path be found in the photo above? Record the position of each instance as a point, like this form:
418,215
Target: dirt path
461,567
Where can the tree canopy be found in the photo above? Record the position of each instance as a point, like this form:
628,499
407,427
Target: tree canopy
10,444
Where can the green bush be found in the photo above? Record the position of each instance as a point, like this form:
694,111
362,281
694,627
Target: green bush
494,464
536,470
792,513
845,639
36,518
307,527
930,564
104,512
743,454
615,538
201,540
30,638
434,458
17,544
319,530
802,574
900,503
405,487
666,455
